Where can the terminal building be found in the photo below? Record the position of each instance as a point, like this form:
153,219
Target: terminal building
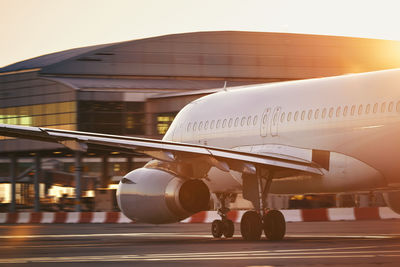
136,88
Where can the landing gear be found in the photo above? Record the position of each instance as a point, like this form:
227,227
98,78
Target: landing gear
217,228
254,222
224,226
274,225
251,226
228,228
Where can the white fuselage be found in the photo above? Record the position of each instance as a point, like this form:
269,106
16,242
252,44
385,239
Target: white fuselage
354,117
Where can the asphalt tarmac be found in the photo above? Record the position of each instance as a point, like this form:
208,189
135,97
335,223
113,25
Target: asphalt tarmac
355,243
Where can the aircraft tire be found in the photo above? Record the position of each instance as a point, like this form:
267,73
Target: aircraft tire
251,226
228,228
274,225
217,228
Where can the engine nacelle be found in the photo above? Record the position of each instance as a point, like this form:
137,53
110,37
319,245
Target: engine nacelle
156,196
392,199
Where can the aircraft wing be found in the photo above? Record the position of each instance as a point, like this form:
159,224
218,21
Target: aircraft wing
169,152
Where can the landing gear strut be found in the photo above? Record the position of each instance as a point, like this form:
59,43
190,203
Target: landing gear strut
254,222
224,226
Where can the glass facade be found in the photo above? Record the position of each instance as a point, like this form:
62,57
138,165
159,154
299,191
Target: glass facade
164,120
54,115
114,117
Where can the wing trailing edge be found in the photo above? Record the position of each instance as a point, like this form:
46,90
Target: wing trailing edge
221,158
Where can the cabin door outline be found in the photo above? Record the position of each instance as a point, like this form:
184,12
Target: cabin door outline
275,121
265,122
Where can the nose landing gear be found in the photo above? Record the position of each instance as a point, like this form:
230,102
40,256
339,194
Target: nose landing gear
224,226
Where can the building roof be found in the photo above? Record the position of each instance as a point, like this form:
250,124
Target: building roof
170,84
49,59
223,55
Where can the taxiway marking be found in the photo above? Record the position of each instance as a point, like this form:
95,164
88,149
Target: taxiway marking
187,235
337,252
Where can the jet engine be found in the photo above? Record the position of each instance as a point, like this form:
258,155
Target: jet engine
392,199
157,196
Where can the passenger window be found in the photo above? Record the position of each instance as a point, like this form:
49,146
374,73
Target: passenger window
195,126
324,113
375,108
353,110
206,125
338,110
224,123
330,112
309,114
367,108
296,115
230,123
255,120
282,117
212,124
248,120
289,116
303,114
316,114
218,123
360,109
345,111
390,109
188,127
243,121
200,126
383,107
236,121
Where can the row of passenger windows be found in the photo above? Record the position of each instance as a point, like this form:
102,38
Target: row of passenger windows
336,112
297,115
222,123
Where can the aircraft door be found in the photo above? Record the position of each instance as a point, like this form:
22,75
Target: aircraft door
275,121
265,122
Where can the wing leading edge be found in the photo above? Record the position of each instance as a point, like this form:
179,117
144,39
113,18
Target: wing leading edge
223,159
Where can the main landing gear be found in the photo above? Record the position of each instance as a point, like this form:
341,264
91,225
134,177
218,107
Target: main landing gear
254,222
224,226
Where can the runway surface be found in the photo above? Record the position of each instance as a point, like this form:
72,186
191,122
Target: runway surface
356,243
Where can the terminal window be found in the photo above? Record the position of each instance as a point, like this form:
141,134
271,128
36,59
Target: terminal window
60,115
112,117
164,120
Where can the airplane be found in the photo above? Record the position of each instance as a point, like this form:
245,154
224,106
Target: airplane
323,135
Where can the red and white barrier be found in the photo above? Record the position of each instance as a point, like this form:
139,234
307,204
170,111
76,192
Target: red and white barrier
63,217
306,215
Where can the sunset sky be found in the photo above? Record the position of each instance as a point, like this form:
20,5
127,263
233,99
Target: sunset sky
31,28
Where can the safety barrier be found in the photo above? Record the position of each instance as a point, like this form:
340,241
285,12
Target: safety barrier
305,215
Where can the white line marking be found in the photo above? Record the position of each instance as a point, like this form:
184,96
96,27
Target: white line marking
123,258
239,255
190,235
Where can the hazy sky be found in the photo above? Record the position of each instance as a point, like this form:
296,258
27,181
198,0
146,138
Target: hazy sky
29,28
